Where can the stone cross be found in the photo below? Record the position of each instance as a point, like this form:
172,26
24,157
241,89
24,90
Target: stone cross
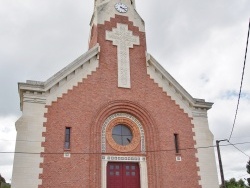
123,39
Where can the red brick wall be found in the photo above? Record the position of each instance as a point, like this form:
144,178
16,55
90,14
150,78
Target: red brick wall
86,107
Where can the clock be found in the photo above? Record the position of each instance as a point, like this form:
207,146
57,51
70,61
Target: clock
120,7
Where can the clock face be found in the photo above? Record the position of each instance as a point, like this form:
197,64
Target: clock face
120,7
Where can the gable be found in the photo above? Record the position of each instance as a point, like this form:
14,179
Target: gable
48,91
69,76
174,89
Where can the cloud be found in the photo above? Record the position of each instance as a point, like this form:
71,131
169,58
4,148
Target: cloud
7,144
235,165
37,39
200,43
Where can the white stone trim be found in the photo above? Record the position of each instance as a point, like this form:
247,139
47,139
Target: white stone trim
174,89
124,115
34,96
72,79
83,59
207,162
139,159
124,40
197,110
26,167
106,9
61,82
98,2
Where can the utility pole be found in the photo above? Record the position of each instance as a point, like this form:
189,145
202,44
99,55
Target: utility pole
220,163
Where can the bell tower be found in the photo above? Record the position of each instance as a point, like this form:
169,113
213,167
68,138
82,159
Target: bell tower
98,2
105,10
114,25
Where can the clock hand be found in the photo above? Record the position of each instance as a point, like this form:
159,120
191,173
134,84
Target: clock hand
123,8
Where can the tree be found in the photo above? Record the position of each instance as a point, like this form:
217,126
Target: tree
2,180
232,183
3,183
6,185
248,171
248,167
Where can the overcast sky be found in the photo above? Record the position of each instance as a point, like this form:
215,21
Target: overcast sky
200,43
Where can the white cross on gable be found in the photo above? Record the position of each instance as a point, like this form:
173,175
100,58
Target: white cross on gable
123,39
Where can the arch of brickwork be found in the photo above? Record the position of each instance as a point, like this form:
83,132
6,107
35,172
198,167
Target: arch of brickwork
151,133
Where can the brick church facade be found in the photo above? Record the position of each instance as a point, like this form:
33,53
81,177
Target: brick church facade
113,118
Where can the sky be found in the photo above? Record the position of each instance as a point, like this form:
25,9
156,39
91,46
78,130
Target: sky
200,43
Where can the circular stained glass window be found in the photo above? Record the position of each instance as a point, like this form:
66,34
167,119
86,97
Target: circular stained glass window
122,135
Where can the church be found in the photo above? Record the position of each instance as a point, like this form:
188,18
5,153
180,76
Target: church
113,118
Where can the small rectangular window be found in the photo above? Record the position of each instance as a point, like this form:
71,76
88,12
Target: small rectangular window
67,138
176,142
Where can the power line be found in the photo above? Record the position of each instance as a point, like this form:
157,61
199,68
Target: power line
242,78
233,137
149,151
21,140
238,149
6,140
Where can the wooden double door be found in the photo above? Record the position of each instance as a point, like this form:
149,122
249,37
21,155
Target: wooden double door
123,175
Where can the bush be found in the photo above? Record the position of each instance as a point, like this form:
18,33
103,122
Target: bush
5,185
